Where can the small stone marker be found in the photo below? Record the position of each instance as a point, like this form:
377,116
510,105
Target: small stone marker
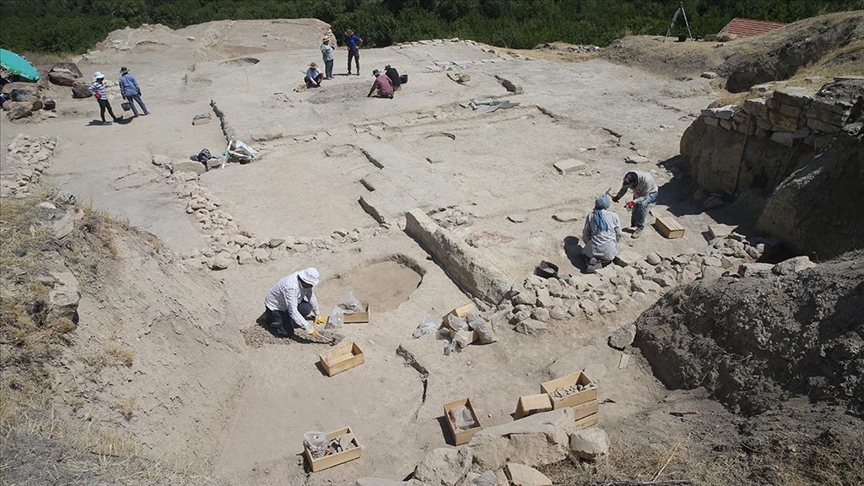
622,362
635,159
720,230
571,165
709,75
565,217
517,218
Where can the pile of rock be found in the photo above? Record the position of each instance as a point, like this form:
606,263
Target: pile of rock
230,245
25,100
450,216
791,114
536,301
577,48
27,159
507,453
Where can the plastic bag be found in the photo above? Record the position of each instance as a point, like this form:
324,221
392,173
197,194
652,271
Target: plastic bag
336,319
350,304
462,418
317,443
486,335
456,323
430,323
463,337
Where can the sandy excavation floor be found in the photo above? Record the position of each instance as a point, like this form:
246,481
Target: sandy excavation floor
321,152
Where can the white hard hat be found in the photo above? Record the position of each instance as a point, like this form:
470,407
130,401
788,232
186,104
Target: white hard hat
98,75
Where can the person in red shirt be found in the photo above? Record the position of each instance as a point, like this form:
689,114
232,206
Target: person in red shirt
382,84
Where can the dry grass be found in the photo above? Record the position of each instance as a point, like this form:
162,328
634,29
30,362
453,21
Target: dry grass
123,356
806,461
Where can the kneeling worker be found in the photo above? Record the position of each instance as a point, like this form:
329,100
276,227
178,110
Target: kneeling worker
313,76
395,79
291,301
382,84
600,235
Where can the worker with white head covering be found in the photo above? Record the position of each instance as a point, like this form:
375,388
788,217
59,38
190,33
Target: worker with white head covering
291,301
101,94
601,234
644,193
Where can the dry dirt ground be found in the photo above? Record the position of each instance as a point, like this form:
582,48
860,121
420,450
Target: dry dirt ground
198,392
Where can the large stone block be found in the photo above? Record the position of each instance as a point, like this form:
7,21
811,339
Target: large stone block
539,439
756,107
796,96
589,443
444,467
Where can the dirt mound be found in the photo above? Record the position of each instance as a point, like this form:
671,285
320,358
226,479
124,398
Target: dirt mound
754,342
778,55
832,44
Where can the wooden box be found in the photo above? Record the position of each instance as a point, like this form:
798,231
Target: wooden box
462,311
474,335
361,317
578,398
461,436
531,404
669,227
341,358
334,459
586,410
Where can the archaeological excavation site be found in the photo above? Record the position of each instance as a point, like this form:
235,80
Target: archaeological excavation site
464,335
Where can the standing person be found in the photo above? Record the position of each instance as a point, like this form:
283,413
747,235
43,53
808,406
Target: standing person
101,94
353,41
291,301
393,74
601,234
644,193
313,76
130,90
382,84
327,54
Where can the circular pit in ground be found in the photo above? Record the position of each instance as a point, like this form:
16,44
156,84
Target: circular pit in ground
383,284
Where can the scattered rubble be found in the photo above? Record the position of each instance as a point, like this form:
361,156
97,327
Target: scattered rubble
26,160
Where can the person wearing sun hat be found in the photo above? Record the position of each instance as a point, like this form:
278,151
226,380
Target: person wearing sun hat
353,41
130,90
313,76
327,53
101,94
291,301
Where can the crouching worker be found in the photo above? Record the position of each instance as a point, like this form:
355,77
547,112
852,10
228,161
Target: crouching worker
313,76
601,234
291,301
382,84
644,193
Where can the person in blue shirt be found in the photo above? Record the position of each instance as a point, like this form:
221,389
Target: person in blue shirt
353,41
130,90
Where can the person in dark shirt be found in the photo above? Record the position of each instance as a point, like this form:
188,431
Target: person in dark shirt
353,41
393,74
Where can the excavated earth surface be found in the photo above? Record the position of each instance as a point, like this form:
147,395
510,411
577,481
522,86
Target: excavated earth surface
204,385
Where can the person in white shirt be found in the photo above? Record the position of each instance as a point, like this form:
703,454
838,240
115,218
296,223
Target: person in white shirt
601,235
313,76
327,54
291,301
644,193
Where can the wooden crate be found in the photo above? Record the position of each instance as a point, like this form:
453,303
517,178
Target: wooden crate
341,358
531,404
334,459
361,317
572,400
588,421
586,409
461,436
669,227
461,311
474,335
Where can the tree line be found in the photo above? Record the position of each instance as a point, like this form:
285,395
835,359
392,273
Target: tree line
73,26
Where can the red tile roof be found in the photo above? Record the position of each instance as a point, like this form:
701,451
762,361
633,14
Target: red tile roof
749,27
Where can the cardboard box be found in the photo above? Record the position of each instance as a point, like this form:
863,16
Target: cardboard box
361,317
341,358
578,398
334,459
462,311
669,227
531,404
461,436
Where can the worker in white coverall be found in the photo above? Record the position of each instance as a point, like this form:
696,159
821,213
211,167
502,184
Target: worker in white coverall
291,301
601,234
644,193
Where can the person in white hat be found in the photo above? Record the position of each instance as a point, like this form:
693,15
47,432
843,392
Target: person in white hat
101,94
291,301
313,76
327,54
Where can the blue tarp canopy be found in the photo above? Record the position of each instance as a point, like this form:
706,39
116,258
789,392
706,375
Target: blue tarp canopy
18,65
